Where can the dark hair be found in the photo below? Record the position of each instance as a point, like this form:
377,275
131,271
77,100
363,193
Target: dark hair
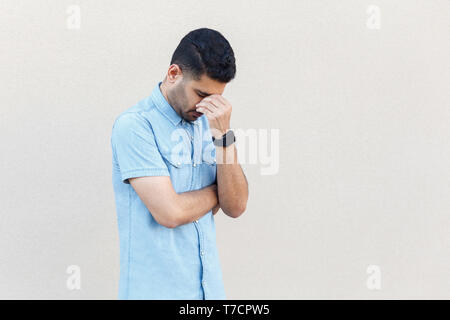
205,51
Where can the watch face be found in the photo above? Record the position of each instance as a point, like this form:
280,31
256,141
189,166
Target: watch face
227,139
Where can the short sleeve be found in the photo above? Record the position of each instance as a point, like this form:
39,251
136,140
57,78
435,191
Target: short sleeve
135,148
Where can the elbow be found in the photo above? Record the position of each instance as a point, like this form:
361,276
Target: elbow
174,220
171,224
166,222
167,214
240,210
235,211
169,220
173,216
236,208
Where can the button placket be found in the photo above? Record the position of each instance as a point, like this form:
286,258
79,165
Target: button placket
197,143
202,251
190,136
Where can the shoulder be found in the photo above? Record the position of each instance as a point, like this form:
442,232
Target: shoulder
131,120
138,115
127,118
131,127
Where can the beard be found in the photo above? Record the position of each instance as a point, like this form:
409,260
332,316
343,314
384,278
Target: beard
179,101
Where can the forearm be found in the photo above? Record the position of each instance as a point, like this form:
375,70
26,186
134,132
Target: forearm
193,205
232,185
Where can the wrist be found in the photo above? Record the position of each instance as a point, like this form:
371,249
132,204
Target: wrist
217,134
225,140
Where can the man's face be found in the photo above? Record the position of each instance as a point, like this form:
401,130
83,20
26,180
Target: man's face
187,92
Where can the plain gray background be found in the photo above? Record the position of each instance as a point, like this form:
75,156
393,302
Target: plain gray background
364,145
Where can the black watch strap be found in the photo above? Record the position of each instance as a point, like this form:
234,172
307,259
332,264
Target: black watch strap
227,139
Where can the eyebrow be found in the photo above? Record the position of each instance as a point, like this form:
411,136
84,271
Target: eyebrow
203,93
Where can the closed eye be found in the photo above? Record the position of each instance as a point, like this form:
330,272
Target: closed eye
201,94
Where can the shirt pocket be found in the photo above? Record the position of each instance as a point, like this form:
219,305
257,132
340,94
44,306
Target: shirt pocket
180,171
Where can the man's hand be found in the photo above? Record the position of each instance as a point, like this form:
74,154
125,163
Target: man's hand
218,111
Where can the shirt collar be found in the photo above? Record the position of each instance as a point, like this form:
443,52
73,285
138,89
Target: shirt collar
163,105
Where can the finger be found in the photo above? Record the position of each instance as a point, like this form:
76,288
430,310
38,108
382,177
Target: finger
222,100
203,110
206,106
214,101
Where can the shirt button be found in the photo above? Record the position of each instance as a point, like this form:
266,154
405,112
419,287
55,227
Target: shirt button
195,164
202,253
196,221
178,163
203,282
214,160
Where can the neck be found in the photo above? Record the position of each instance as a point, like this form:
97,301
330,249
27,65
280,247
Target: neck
164,90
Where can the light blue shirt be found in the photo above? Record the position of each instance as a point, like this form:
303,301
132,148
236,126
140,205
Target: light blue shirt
156,262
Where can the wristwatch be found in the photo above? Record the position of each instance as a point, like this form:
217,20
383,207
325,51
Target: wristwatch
226,140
